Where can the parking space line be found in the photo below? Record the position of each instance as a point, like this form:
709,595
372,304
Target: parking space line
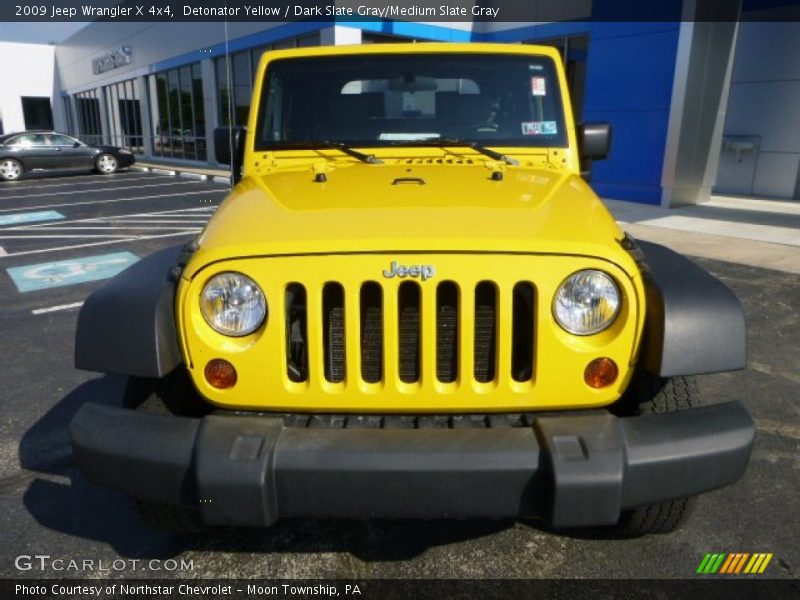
98,190
8,210
91,182
49,309
123,218
56,237
78,174
103,243
195,227
152,221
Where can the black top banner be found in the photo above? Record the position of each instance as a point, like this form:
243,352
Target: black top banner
343,11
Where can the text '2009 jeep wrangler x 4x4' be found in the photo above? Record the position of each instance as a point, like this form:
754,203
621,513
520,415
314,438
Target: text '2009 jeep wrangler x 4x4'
412,305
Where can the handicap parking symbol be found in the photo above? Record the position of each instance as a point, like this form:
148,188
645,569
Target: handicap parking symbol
30,217
42,276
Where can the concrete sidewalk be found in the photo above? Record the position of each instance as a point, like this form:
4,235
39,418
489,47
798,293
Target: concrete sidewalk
759,233
748,231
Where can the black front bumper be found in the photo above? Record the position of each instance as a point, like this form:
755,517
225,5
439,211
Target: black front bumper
569,469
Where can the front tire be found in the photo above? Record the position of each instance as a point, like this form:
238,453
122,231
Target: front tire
173,394
106,164
650,394
11,169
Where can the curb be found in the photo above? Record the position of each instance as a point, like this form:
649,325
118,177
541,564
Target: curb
192,175
188,174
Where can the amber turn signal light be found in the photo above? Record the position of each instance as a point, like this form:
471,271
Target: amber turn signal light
220,374
601,372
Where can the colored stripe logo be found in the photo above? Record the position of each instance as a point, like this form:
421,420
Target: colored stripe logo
734,563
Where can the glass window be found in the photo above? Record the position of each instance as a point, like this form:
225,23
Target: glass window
176,127
241,87
199,112
177,112
68,114
224,91
187,112
163,144
124,115
373,100
29,139
574,55
87,108
236,74
61,140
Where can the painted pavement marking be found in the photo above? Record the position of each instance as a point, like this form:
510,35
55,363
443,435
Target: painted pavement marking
49,309
134,238
98,190
189,220
47,275
114,200
30,217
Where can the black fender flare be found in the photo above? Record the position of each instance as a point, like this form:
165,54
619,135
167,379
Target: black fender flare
127,327
694,323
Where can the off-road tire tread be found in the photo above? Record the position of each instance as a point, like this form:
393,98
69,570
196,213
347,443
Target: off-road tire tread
172,394
649,394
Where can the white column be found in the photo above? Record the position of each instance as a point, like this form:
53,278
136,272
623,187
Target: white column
339,35
699,100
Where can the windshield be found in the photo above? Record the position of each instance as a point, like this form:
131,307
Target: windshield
388,99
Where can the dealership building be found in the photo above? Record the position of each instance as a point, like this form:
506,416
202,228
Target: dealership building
695,107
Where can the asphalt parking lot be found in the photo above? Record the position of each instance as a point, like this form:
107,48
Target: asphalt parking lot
61,236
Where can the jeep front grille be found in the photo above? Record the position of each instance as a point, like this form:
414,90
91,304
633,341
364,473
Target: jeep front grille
390,326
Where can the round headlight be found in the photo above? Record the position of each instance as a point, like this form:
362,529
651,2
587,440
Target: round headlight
586,302
233,304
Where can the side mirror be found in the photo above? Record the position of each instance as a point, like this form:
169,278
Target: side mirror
594,143
594,140
76,145
229,148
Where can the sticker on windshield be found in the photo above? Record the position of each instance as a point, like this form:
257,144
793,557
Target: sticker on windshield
408,137
539,128
538,86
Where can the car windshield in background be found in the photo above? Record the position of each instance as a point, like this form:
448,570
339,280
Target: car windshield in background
387,99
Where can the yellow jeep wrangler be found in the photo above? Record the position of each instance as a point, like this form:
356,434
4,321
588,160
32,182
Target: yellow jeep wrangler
412,305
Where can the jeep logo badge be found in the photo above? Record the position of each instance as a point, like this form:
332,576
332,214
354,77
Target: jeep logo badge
424,272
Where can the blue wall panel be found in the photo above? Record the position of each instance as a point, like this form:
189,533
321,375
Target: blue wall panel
631,72
629,79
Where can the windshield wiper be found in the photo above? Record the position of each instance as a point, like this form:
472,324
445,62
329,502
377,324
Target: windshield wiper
445,141
367,158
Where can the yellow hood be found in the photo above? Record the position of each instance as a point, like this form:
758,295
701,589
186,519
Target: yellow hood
420,205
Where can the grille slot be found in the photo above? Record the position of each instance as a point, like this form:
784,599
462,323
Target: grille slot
447,332
522,346
485,332
408,301
371,308
296,333
333,332
419,333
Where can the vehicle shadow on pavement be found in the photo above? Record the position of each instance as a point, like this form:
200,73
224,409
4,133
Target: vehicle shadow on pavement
80,509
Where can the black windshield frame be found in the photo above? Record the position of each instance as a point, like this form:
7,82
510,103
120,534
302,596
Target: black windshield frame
303,73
